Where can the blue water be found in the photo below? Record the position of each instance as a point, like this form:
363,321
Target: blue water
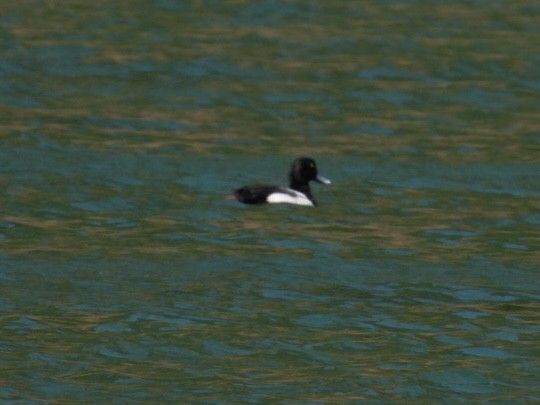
126,276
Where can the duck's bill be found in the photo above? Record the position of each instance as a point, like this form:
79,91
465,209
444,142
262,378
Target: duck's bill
323,180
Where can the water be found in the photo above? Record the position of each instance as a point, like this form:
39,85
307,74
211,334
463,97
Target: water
127,277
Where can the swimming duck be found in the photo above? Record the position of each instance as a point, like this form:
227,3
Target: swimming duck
303,170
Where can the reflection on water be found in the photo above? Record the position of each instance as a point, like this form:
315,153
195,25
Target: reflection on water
237,335
126,273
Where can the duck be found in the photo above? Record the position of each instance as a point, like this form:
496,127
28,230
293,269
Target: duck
303,170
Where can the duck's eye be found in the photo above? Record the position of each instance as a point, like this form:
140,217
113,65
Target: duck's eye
311,165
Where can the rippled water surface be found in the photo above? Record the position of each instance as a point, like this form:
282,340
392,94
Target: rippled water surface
126,276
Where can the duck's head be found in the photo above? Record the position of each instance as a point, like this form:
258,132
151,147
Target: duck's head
304,170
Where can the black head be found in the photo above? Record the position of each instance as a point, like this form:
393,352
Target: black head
304,170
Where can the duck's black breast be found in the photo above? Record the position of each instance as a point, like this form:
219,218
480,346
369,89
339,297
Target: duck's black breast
254,194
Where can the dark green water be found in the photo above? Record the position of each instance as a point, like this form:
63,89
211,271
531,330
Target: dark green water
127,277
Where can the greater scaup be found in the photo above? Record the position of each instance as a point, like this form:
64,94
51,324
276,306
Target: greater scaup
303,170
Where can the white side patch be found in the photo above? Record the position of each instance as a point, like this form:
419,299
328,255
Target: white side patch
290,197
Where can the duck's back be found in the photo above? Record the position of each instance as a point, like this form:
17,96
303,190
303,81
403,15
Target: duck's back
254,194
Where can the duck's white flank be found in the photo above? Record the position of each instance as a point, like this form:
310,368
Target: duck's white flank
290,196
